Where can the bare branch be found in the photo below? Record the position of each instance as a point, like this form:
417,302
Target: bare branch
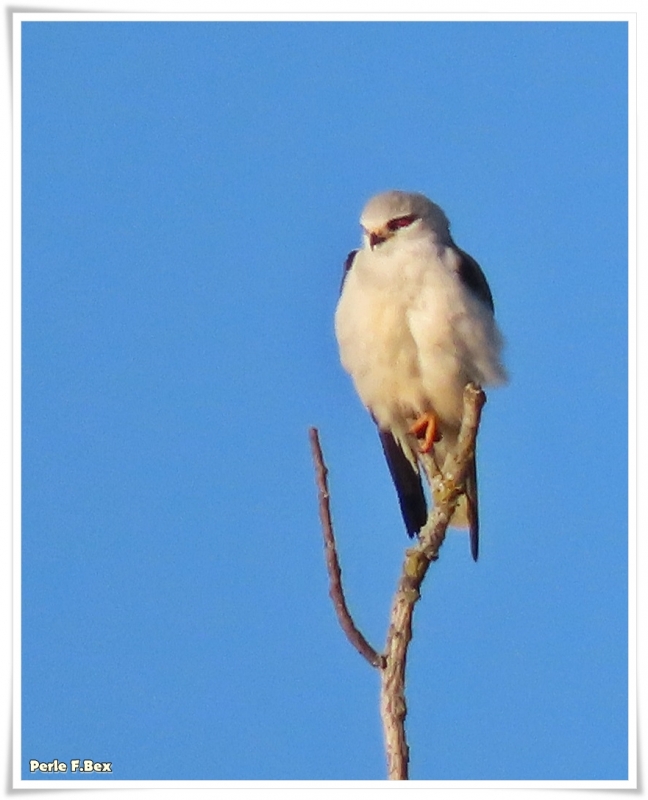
336,592
447,488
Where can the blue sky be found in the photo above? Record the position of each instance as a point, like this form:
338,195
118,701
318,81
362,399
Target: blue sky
189,194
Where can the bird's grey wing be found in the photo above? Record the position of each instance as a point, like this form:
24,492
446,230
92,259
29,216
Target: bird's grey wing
347,266
407,481
471,275
472,509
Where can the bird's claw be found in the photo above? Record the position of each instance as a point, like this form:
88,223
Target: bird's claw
425,428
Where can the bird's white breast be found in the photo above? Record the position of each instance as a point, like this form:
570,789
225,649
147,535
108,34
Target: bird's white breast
410,334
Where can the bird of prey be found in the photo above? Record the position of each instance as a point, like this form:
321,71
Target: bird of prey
414,325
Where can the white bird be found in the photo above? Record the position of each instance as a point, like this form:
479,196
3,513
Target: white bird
414,325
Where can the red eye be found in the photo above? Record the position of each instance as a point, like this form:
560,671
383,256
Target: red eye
401,222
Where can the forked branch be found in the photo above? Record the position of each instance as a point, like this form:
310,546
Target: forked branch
447,485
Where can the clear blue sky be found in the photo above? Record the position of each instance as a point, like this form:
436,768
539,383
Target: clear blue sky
190,192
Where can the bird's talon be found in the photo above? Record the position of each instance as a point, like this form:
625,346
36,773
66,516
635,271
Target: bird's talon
425,427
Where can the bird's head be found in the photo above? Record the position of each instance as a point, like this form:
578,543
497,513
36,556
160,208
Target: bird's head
392,213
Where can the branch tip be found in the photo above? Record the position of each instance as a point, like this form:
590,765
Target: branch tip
336,591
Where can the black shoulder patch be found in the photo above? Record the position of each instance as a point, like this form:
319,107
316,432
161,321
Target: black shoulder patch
471,275
347,266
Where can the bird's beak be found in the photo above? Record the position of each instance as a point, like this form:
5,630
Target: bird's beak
375,237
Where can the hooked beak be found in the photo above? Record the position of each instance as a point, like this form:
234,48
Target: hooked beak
375,239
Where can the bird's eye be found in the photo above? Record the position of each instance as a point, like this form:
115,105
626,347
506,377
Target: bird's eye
401,222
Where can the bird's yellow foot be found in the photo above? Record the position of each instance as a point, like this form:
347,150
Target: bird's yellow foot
425,428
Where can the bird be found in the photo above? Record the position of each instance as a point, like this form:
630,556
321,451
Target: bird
414,324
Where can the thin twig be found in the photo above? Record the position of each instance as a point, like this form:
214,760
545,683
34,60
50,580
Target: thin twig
336,592
447,490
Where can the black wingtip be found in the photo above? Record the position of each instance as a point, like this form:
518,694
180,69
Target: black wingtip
473,509
474,543
407,481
